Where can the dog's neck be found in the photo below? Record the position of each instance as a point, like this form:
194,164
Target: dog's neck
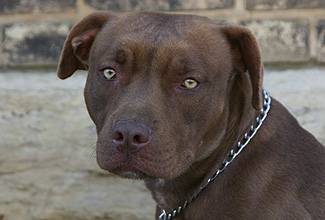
169,194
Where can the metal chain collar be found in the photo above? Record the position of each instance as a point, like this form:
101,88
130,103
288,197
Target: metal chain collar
229,158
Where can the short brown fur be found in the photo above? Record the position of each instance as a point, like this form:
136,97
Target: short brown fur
150,127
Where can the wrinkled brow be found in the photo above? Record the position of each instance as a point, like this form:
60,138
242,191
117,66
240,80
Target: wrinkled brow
178,56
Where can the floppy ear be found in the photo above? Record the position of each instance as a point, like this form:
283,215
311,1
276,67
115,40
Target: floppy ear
243,39
77,46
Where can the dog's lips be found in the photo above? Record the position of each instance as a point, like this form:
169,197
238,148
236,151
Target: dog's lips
129,171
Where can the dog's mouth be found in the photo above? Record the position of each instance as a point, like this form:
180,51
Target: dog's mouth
129,171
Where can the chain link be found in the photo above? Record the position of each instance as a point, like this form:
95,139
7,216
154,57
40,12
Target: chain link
229,158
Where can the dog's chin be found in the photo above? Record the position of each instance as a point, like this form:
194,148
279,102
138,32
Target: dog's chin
130,172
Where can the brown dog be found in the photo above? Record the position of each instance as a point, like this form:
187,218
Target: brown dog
171,97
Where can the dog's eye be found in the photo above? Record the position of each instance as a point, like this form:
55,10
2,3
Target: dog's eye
109,73
190,83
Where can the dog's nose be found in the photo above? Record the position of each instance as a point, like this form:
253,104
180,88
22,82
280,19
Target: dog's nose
130,135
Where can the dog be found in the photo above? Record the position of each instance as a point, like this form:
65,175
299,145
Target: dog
178,102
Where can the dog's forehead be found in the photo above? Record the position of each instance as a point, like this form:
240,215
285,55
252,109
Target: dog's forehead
158,23
158,28
158,32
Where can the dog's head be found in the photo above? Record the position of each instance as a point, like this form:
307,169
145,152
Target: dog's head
158,86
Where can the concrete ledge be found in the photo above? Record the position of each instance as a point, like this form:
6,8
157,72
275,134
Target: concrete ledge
283,4
34,43
282,40
159,5
22,6
321,41
41,43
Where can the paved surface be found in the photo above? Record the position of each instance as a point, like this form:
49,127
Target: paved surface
302,91
47,159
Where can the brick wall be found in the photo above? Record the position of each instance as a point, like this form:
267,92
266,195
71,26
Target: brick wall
32,32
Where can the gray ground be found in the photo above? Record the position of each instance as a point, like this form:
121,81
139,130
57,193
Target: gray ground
47,159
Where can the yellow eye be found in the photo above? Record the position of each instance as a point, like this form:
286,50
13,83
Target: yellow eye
109,73
190,83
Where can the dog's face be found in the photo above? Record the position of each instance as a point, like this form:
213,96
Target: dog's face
157,88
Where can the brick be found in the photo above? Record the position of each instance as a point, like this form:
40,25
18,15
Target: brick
34,43
159,5
283,4
23,6
282,40
321,41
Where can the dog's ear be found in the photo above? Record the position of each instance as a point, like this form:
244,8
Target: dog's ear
243,39
77,46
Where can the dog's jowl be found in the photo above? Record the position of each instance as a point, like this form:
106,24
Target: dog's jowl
178,101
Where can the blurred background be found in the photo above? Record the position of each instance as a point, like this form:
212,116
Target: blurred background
48,169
